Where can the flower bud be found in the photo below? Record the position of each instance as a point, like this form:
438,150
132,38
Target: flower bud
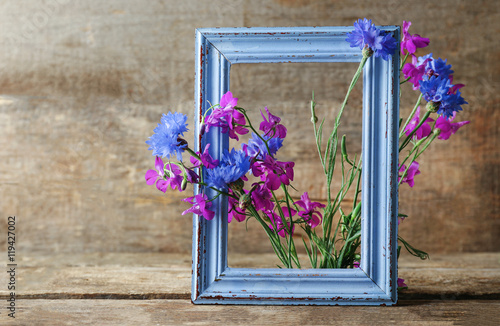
184,184
237,185
244,202
181,142
432,106
437,131
314,119
367,51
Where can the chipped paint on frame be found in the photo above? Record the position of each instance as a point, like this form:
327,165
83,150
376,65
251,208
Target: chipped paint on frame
213,282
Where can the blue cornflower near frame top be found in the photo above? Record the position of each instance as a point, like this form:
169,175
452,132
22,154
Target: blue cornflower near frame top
366,35
165,141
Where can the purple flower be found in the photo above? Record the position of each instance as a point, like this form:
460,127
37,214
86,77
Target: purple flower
366,35
401,284
257,148
262,197
272,126
410,174
201,206
153,175
234,211
166,141
230,120
206,159
355,264
415,71
447,127
277,223
233,165
424,130
310,215
273,173
228,102
411,43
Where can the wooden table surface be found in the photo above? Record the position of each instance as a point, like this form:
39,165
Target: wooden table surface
154,289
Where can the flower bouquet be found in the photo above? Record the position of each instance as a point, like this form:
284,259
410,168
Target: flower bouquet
259,186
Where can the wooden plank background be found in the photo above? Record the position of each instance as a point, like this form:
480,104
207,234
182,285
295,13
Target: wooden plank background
83,84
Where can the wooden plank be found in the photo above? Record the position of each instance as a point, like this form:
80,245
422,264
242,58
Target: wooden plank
168,276
182,312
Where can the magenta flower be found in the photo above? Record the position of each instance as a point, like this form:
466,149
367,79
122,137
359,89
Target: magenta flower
153,175
401,284
273,173
410,174
201,206
230,120
411,43
415,71
447,127
277,221
206,159
261,197
234,211
424,130
355,264
310,215
272,127
228,102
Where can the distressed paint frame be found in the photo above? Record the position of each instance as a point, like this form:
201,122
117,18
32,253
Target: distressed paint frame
375,282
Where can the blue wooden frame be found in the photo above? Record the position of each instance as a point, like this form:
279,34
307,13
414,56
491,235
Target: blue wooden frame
375,282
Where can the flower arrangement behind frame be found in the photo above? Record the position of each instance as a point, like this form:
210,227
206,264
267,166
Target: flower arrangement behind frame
331,242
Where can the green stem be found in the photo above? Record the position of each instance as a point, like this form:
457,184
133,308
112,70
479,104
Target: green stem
408,138
401,133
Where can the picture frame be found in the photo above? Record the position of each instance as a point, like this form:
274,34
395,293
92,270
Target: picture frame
375,281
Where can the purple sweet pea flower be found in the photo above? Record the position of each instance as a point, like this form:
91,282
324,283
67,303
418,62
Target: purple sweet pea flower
401,284
153,175
410,174
228,102
411,43
273,173
277,221
310,215
201,206
205,158
424,130
447,127
234,211
272,126
261,197
415,71
226,117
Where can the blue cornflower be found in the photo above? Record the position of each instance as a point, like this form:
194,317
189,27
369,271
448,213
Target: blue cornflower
165,141
435,88
451,103
366,35
438,67
232,166
257,148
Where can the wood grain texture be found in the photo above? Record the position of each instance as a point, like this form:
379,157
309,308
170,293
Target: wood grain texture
153,289
168,276
83,84
182,312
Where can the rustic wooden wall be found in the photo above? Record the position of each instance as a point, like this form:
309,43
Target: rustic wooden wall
83,84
